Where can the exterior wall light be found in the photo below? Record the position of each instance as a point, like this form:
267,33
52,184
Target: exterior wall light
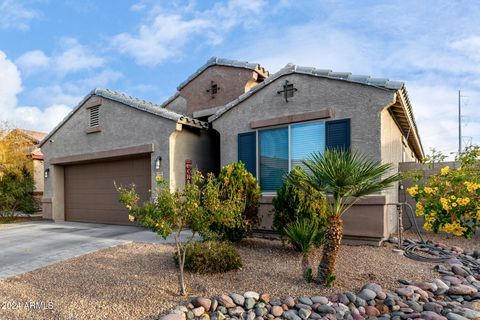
46,173
158,162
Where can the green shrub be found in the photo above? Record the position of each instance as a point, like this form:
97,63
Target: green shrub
16,194
234,178
292,204
211,257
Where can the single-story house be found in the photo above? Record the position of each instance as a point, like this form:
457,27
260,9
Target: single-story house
225,112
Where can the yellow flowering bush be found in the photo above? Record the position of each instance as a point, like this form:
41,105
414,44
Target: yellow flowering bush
450,200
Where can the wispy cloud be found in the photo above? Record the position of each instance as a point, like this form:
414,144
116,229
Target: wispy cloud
167,32
433,57
71,58
14,15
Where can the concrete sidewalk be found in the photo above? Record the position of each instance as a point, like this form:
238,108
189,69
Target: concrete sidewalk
32,245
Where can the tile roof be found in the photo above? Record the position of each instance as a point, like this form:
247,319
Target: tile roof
37,136
382,83
225,62
134,103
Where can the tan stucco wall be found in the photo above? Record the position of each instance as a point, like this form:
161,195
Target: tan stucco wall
122,126
178,105
199,146
230,80
362,104
38,175
392,149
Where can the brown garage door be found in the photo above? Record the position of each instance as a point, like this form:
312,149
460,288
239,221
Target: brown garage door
90,195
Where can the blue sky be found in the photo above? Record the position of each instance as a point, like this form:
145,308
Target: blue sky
52,53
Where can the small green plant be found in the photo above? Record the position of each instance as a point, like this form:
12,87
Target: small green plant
235,179
304,235
292,204
197,207
330,280
211,257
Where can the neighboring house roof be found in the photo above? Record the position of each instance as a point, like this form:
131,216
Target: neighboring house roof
381,83
133,102
214,61
36,136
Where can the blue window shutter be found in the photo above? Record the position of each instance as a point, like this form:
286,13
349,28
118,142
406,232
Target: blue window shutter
247,151
338,134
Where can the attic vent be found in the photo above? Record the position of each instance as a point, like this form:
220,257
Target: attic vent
94,116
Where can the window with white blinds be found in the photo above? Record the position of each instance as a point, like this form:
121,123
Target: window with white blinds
306,138
270,154
273,153
281,149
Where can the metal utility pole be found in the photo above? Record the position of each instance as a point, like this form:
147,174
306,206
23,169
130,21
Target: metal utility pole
459,123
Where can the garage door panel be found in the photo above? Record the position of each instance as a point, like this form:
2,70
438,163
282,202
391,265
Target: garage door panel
90,195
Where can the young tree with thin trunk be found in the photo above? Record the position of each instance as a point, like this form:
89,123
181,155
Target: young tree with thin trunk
344,177
199,205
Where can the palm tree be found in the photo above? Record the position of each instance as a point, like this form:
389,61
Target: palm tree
304,235
344,177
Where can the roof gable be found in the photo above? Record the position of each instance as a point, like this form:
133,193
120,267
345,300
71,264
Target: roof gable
381,83
214,61
133,102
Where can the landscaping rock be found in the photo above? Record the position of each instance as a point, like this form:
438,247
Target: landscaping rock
454,316
304,313
455,296
289,301
226,301
202,302
265,297
462,289
237,298
319,299
197,312
405,292
251,294
236,312
305,300
291,315
326,309
276,311
367,294
249,303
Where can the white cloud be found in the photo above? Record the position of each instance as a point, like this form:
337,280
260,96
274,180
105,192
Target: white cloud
469,46
13,15
166,34
25,117
162,39
33,60
72,58
76,57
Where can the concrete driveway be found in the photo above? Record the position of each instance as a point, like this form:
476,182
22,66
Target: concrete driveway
32,245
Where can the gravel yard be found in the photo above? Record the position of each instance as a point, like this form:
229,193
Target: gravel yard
138,281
